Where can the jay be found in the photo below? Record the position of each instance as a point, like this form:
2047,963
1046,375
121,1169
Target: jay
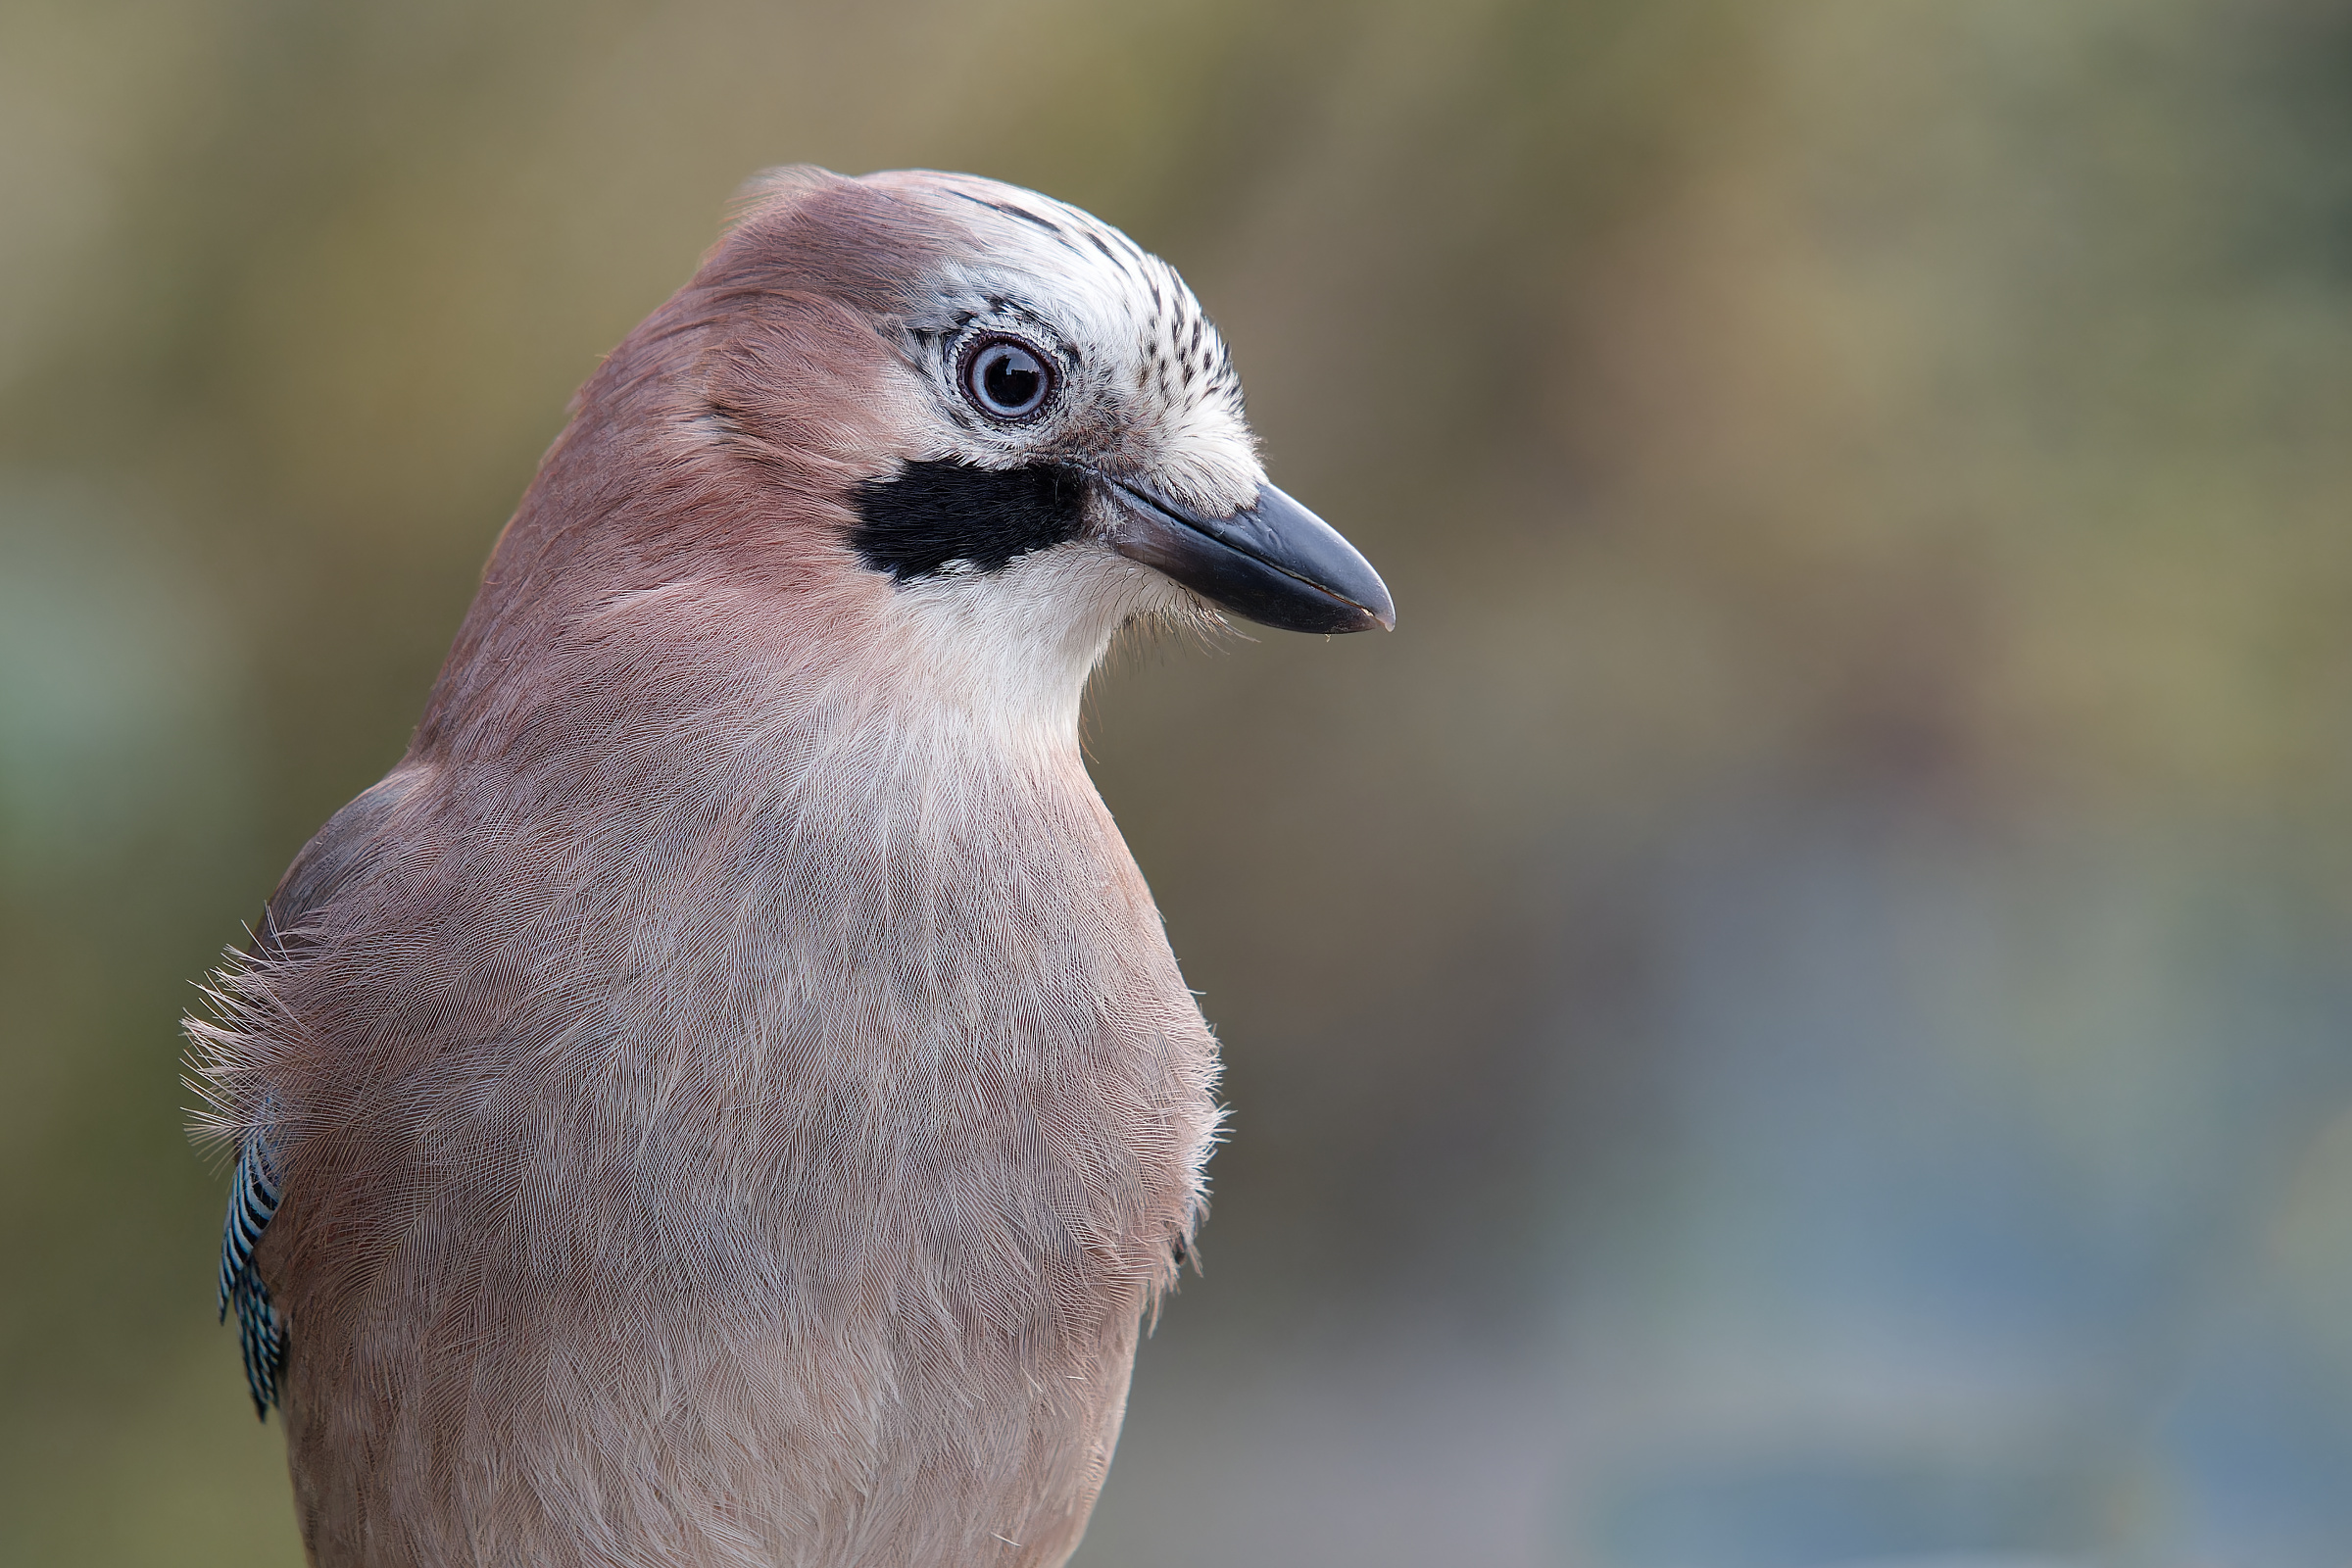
725,1095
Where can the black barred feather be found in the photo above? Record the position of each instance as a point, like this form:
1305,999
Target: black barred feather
261,1332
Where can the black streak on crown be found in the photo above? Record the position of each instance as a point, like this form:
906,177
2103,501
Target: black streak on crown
930,514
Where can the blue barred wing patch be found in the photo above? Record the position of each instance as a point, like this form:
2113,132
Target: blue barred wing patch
261,1332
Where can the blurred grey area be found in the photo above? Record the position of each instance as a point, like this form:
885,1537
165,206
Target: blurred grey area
1794,1015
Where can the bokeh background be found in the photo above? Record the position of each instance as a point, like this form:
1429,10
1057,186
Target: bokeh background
1794,1014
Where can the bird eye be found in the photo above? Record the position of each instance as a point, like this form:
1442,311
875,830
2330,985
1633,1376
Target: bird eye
1006,380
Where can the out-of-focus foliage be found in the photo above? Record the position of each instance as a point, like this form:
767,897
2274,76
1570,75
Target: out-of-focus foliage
1795,1012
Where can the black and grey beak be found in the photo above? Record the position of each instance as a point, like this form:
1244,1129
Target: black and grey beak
1273,561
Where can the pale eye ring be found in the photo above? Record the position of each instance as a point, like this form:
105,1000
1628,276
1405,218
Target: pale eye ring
1006,380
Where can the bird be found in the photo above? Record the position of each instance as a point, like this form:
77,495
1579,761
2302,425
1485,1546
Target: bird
727,1096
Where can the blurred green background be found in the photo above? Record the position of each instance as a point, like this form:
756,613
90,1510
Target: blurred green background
1794,1014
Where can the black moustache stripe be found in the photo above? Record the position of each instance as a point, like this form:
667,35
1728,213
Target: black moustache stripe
930,514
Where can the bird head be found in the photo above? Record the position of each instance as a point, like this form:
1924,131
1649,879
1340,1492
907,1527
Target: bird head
962,427
1075,396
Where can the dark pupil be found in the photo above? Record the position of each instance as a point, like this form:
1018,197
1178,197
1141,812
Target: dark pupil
1010,379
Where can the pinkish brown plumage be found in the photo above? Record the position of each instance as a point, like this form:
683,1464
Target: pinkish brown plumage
725,1096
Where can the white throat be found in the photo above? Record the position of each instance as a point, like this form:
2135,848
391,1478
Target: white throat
1007,653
